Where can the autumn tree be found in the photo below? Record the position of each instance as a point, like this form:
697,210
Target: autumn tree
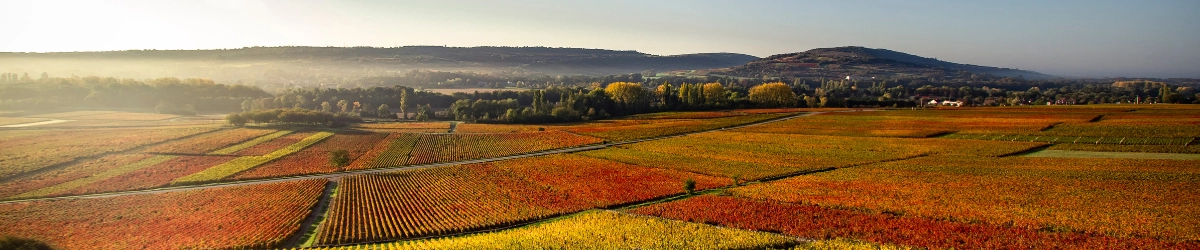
714,94
344,106
666,94
404,103
774,94
631,96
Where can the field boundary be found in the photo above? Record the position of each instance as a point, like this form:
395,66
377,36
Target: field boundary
310,226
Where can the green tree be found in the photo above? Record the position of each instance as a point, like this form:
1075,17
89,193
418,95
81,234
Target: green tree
384,112
236,119
404,103
339,158
689,185
17,243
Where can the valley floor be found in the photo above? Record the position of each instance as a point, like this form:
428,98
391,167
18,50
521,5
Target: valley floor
1046,177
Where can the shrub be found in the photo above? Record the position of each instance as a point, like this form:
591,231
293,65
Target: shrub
339,158
16,243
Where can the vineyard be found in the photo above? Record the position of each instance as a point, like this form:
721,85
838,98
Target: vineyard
67,173
431,148
469,197
206,143
19,154
1062,177
257,216
240,164
314,159
687,115
408,127
642,129
157,175
825,223
1085,195
924,123
606,230
394,151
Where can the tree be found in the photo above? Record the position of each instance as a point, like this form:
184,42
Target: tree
714,94
1164,93
236,119
774,94
404,103
689,185
685,92
16,243
339,158
325,107
812,102
344,105
631,96
384,112
667,95
424,112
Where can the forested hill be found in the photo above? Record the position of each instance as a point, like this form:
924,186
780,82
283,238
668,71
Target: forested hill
856,61
527,59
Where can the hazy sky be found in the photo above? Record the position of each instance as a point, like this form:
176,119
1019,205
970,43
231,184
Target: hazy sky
1072,38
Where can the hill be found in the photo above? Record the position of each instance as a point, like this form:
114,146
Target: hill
245,63
863,62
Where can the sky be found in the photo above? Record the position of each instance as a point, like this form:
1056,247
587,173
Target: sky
1091,38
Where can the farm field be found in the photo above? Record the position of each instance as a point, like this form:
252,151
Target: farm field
1052,153
408,127
638,126
752,156
255,216
21,153
642,129
969,178
1073,195
604,229
208,142
922,123
314,159
453,199
431,148
831,224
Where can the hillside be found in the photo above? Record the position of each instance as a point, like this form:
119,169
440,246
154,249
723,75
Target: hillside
856,61
246,63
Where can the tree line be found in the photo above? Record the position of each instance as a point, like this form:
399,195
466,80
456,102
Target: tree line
169,95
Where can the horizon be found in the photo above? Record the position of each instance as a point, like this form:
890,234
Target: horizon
1070,39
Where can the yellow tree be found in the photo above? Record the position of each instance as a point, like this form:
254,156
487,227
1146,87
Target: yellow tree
774,94
630,95
714,94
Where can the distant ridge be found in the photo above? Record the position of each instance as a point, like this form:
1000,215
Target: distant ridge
863,62
538,59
